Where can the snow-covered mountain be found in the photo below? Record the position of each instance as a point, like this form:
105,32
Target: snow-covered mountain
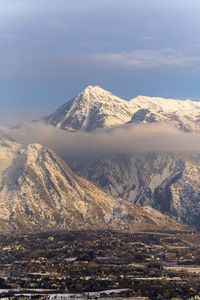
166,181
38,191
96,108
92,109
169,182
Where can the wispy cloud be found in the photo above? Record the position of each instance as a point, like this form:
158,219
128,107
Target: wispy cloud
147,59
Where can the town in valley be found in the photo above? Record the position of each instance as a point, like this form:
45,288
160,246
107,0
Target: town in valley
100,264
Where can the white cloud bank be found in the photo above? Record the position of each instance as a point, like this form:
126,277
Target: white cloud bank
130,139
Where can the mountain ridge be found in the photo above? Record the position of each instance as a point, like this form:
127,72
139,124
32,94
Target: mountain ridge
38,191
95,108
165,181
168,182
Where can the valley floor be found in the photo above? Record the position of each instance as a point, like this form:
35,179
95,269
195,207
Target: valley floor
90,265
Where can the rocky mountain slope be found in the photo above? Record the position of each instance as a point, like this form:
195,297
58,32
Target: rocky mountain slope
38,191
96,108
166,181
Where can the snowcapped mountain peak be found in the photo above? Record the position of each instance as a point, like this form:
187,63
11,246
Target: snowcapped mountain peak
91,93
96,108
93,108
94,89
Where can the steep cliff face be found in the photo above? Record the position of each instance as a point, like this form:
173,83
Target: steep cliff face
168,182
38,191
134,177
185,194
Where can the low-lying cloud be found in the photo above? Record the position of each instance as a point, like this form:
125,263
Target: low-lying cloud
130,139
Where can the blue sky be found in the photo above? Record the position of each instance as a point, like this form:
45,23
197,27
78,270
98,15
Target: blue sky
50,50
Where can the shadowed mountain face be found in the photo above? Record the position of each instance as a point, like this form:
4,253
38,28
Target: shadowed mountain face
38,191
166,181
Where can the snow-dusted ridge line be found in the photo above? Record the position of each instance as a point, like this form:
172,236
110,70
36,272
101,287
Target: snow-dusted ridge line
96,108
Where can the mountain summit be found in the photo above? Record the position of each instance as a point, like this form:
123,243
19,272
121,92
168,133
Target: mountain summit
95,108
92,109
